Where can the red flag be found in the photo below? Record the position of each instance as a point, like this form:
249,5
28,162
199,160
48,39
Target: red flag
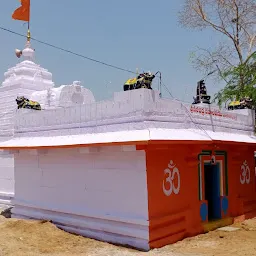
23,12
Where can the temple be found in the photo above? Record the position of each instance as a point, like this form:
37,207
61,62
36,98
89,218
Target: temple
136,170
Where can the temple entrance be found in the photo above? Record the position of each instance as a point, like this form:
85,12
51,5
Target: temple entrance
212,190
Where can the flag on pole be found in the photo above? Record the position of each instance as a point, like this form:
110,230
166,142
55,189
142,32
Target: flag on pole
23,12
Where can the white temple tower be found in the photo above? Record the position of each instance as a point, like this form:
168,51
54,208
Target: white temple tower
21,80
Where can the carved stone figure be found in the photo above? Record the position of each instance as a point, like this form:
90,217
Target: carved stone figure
201,94
23,102
243,103
143,80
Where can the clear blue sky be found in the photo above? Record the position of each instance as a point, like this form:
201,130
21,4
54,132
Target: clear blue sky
129,34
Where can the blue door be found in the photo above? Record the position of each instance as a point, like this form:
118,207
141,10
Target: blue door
212,190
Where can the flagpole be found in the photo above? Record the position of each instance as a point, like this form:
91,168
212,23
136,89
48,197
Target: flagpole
28,33
23,13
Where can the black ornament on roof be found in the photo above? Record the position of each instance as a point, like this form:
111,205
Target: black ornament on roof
201,94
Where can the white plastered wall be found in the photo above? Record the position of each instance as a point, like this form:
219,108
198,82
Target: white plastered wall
8,108
6,177
101,190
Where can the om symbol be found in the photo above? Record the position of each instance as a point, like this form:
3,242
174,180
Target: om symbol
245,175
172,171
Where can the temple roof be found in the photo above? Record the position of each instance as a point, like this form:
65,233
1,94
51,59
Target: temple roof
27,72
145,136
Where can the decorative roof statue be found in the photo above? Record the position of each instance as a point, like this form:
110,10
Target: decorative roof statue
23,102
201,94
143,80
243,103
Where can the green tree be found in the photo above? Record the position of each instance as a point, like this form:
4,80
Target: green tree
235,21
234,88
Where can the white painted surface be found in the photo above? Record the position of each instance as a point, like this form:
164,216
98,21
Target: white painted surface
101,192
147,118
145,136
6,177
27,74
27,79
245,175
173,174
23,79
132,110
64,96
103,138
228,229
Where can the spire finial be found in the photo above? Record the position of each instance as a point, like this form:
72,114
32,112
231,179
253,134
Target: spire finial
28,36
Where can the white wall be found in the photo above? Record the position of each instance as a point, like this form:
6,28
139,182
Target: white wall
6,177
8,107
107,183
131,108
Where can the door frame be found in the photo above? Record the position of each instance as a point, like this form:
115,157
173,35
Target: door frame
221,158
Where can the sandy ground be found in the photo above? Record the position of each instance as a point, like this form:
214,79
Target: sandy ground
26,238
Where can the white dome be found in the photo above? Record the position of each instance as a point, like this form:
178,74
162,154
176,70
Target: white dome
64,96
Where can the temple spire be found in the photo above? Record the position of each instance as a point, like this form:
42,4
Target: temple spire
28,35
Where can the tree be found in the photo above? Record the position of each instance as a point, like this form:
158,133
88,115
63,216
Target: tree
235,21
233,89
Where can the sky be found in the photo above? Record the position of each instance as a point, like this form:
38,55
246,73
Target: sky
132,34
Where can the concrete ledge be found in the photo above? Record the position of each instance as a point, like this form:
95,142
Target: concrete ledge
213,225
116,232
6,199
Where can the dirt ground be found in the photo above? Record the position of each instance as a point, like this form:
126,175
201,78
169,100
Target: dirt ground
26,238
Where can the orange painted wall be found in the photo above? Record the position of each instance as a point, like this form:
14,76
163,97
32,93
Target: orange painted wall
242,196
176,214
